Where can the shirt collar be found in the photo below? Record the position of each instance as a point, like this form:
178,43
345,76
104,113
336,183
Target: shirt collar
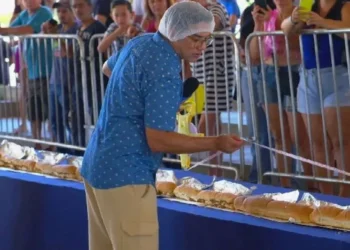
160,40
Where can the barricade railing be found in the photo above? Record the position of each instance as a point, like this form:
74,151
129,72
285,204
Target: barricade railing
305,98
220,72
76,105
98,79
51,77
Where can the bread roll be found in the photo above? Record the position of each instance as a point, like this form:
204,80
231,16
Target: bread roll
331,216
282,210
298,213
165,188
43,168
2,164
24,165
65,171
207,197
256,205
186,192
78,176
238,203
225,200
10,162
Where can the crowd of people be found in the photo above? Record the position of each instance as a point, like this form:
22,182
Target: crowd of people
294,128
140,88
118,21
306,98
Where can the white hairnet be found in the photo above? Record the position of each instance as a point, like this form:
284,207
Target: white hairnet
184,19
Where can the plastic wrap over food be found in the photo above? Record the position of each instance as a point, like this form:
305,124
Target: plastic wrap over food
192,182
230,187
291,197
12,150
166,176
50,157
30,154
76,161
288,197
310,200
270,195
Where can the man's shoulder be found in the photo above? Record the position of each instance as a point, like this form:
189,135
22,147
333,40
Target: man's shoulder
99,26
72,30
248,11
141,45
43,10
148,54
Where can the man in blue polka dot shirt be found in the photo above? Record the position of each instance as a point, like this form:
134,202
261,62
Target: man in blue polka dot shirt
136,126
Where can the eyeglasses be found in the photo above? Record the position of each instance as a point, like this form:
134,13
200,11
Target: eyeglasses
198,41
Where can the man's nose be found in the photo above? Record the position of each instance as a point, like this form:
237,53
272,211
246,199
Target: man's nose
203,46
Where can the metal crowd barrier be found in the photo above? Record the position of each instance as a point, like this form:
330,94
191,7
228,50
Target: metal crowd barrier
80,100
44,104
85,87
320,132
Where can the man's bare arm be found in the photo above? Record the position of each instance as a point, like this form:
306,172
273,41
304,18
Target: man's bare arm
17,31
175,143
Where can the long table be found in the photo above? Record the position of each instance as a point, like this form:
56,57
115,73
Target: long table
39,213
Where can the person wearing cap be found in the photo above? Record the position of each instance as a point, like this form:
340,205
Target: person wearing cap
136,127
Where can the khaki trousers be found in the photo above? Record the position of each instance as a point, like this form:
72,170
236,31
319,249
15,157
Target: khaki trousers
122,218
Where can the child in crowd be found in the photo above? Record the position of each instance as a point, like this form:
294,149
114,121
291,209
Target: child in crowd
123,28
95,82
63,75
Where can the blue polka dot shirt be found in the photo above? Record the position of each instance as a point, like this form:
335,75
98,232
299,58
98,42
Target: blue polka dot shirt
145,90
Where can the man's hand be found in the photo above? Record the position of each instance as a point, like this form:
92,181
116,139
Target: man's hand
45,28
228,143
48,28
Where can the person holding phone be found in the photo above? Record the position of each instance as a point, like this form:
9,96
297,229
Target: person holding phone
274,52
324,14
247,27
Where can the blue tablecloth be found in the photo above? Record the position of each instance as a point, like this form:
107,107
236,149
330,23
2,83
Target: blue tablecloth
38,213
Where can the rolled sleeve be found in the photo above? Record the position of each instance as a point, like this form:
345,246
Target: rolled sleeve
161,103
